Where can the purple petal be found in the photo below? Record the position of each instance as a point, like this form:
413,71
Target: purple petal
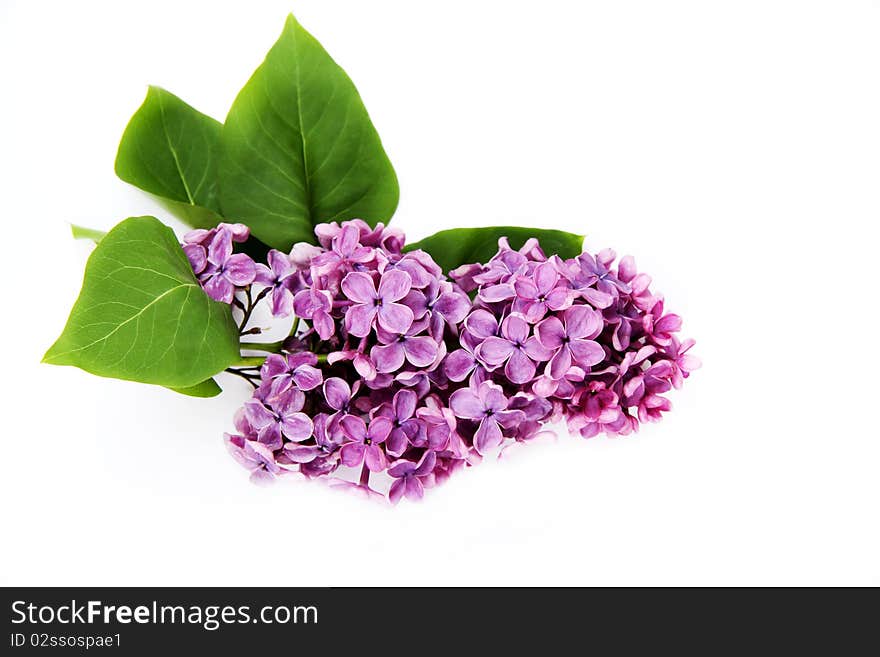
495,351
347,240
488,435
519,368
220,248
458,364
359,287
495,293
379,429
536,351
559,364
546,277
308,377
240,269
482,324
273,366
280,263
323,324
550,332
526,289
239,232
401,469
290,402
364,366
509,419
492,397
296,426
196,236
426,464
374,458
420,351
465,404
515,328
359,319
352,454
414,489
559,299
435,329
354,427
397,442
626,269
388,358
301,453
454,306
219,289
394,285
397,490
597,298
282,302
416,302
586,352
270,436
197,257
404,404
668,324
582,322
257,414
395,317
337,393
259,453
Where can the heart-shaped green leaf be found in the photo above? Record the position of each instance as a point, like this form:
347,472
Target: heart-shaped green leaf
459,246
142,316
170,149
298,147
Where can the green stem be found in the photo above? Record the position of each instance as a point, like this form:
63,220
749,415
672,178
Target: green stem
249,361
269,347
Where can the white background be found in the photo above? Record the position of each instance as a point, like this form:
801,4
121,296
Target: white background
732,147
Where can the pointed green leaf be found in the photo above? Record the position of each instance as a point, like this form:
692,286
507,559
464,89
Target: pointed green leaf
169,149
298,147
205,389
83,233
142,316
459,246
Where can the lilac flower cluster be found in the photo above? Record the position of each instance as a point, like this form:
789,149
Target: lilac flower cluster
582,334
210,254
395,376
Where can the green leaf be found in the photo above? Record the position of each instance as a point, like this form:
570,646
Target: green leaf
207,388
458,246
170,150
298,147
142,316
83,233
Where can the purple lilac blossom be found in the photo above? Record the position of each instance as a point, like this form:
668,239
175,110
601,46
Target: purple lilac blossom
279,276
407,375
220,272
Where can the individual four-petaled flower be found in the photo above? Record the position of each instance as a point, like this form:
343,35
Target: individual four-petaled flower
363,442
278,275
516,349
408,477
540,293
280,419
372,304
224,271
293,370
488,406
570,340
